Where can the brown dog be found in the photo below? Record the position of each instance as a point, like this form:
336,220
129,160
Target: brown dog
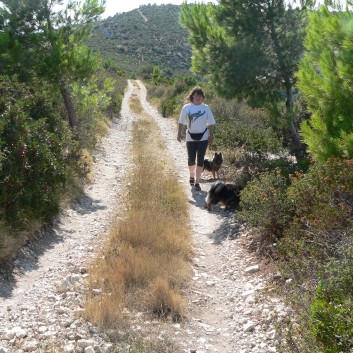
214,165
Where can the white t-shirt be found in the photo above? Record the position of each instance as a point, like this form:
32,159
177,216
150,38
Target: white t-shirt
197,118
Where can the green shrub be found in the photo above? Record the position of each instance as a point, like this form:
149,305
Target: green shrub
172,96
114,90
92,99
284,165
265,205
156,91
331,312
168,107
323,199
317,254
35,145
239,125
145,71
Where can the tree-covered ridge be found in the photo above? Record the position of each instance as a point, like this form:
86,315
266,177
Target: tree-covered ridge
149,35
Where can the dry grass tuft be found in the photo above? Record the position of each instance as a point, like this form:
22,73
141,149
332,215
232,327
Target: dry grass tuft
102,127
135,105
86,164
11,241
164,301
10,244
146,262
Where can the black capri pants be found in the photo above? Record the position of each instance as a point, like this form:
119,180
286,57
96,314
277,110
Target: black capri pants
196,148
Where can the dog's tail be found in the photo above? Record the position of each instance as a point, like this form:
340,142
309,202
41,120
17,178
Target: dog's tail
211,194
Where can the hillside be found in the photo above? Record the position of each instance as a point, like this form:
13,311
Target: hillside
149,35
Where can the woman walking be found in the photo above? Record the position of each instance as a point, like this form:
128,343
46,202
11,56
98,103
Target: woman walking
198,118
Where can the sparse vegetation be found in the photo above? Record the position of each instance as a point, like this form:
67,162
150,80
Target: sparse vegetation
138,46
145,263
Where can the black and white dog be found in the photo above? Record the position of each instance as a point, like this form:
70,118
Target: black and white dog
227,194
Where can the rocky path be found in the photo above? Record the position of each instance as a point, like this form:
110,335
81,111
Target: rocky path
40,304
226,312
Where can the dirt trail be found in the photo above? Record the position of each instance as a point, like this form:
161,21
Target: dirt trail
226,312
40,299
39,303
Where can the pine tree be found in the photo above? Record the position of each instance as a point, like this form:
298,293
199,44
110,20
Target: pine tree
51,43
248,49
326,81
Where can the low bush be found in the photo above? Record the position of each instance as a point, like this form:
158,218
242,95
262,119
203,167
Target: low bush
164,301
317,253
36,150
91,100
265,206
323,199
238,125
172,96
331,311
323,303
42,164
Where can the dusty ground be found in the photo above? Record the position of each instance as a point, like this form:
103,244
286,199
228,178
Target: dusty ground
41,300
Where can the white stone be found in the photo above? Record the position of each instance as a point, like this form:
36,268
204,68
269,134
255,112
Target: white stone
67,323
42,329
68,282
62,310
89,349
207,328
49,334
8,335
250,299
106,347
247,293
249,327
252,269
17,331
85,343
30,346
69,348
3,350
248,286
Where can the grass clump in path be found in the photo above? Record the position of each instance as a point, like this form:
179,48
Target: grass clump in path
146,262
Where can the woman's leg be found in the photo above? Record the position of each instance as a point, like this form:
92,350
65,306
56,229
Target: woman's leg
201,151
192,174
191,148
